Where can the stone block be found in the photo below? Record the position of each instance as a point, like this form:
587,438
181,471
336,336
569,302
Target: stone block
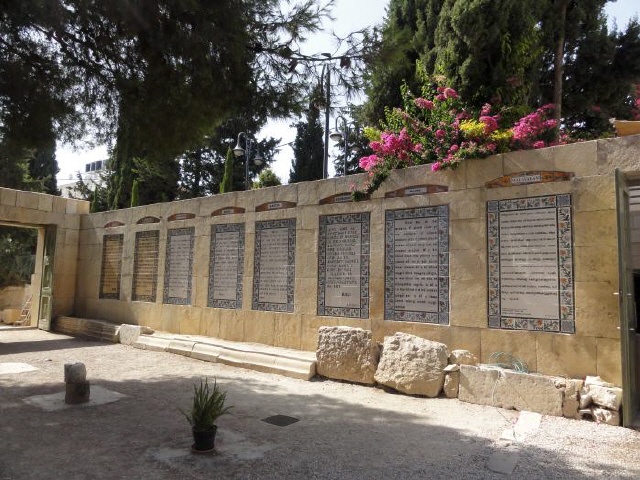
128,334
412,365
570,402
206,352
607,397
511,390
451,384
602,415
462,357
346,353
77,393
181,347
75,372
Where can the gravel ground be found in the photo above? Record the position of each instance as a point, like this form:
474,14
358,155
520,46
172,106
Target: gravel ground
344,431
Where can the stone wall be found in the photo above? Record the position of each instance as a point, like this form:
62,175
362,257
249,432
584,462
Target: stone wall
594,348
37,210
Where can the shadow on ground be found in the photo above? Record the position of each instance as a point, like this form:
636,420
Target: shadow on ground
344,432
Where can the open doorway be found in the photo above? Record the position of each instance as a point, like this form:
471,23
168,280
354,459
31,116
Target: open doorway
19,285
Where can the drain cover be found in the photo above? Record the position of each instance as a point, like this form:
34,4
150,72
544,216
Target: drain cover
281,420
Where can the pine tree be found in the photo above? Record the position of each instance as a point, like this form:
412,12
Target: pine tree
226,185
308,147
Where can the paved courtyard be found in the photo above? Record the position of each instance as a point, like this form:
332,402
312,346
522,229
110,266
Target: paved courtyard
133,429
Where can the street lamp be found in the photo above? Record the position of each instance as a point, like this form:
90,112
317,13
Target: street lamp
337,135
238,151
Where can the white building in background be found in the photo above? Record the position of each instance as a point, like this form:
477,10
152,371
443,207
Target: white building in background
91,176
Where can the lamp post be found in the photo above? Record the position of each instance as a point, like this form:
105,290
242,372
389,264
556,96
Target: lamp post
337,135
238,151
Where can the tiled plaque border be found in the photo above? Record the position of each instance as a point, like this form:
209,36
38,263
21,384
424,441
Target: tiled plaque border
167,273
290,224
119,238
154,234
364,219
222,228
390,313
566,320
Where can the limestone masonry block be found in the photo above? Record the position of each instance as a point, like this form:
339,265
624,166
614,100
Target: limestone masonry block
512,390
463,357
602,415
608,397
451,384
128,334
570,402
412,365
346,353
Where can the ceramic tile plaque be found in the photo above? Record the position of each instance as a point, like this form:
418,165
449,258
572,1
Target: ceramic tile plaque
145,266
343,265
226,265
417,265
530,264
274,265
111,266
178,266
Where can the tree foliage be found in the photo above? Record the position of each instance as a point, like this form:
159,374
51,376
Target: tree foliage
518,54
151,77
308,146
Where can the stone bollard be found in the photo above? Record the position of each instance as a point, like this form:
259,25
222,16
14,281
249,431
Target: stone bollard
77,387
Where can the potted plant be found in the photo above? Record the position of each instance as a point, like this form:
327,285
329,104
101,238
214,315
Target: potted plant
208,405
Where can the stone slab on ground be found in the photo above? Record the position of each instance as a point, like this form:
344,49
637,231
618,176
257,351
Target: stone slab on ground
55,401
412,365
253,356
346,353
15,367
512,390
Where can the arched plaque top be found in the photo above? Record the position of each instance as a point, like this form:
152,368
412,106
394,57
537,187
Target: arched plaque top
416,190
227,211
148,219
181,216
528,178
277,205
344,197
114,223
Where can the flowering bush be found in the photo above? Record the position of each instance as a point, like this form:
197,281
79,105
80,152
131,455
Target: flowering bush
635,110
436,128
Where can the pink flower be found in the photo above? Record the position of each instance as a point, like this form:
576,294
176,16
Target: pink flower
450,93
435,166
424,103
539,144
440,97
454,148
440,133
418,148
486,109
440,89
490,124
368,163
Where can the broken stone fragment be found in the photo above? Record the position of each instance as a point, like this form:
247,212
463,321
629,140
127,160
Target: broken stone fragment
77,393
75,372
602,415
412,365
585,398
347,353
607,397
451,384
589,380
463,357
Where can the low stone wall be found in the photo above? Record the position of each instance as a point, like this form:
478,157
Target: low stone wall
416,366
